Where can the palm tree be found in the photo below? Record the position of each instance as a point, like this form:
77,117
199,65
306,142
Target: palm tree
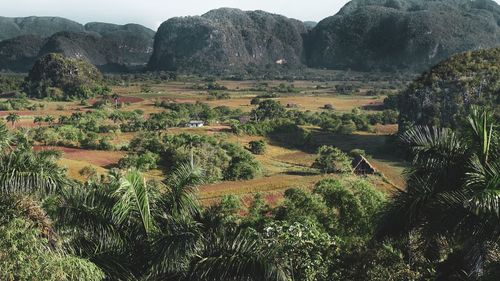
12,118
25,171
38,120
49,119
132,231
453,188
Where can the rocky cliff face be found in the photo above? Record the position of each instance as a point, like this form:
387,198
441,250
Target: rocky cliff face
404,34
228,40
108,46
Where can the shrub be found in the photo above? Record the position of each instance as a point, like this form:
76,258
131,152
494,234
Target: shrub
332,160
143,161
257,147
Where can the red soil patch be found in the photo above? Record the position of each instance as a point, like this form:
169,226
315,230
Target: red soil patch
96,157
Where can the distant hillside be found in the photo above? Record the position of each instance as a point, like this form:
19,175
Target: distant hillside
40,26
402,34
58,77
228,40
19,53
110,47
135,41
442,95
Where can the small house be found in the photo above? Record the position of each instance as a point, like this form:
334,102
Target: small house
195,124
361,166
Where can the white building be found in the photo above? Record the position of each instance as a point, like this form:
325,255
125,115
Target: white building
195,124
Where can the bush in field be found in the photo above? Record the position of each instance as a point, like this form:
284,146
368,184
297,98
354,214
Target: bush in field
347,127
332,160
257,147
142,161
218,159
268,109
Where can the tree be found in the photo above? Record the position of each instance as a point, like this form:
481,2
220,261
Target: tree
332,160
452,190
26,255
38,120
257,147
12,118
49,119
268,109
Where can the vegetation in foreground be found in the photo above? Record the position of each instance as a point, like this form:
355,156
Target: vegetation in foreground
125,227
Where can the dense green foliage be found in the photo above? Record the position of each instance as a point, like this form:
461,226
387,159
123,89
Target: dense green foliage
443,95
54,76
220,160
332,160
452,196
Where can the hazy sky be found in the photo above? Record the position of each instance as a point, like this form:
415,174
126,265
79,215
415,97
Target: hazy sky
152,13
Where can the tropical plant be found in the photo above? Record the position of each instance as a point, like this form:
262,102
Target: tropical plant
453,189
332,160
12,118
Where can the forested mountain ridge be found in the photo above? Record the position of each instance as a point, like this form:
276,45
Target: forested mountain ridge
443,95
402,34
231,40
110,47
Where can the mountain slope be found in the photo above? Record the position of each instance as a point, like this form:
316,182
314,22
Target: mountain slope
40,26
228,40
443,95
110,47
404,34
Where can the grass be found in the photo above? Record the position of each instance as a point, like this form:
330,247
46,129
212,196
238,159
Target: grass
282,167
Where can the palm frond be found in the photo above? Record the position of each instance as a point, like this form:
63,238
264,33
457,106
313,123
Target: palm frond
237,256
483,179
85,214
178,240
5,137
182,187
29,172
434,148
479,120
134,198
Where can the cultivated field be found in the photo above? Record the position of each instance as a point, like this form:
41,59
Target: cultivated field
282,167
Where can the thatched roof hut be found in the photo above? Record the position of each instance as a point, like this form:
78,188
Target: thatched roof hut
361,166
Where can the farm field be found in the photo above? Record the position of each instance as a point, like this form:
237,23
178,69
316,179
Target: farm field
282,166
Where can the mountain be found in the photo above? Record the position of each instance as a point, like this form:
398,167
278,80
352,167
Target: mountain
134,41
101,52
19,53
40,26
443,95
58,77
402,34
110,47
228,41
